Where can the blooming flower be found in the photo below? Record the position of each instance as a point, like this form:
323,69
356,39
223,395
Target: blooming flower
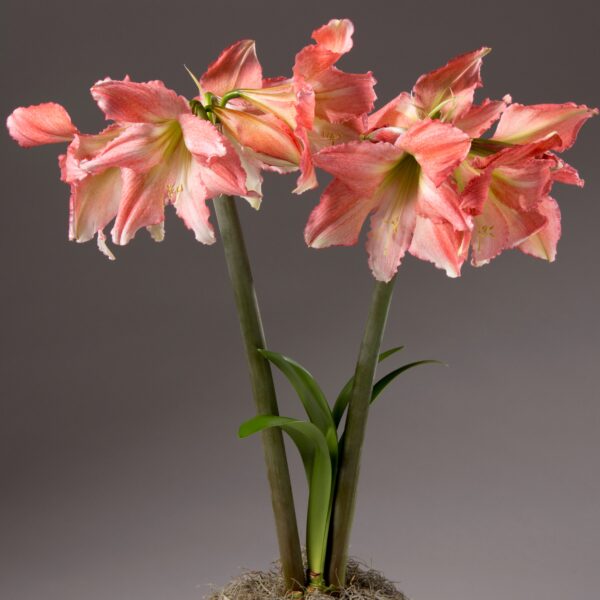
508,191
405,184
496,196
156,153
293,117
167,155
232,89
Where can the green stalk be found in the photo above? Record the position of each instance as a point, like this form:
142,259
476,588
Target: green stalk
354,433
263,390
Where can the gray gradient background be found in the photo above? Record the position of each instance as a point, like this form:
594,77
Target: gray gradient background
123,383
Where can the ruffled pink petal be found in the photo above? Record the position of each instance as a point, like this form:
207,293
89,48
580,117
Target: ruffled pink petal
130,102
522,187
271,138
47,123
479,118
441,204
399,112
341,96
236,68
292,102
521,124
440,244
450,89
94,204
311,61
335,36
565,173
252,167
360,165
338,218
308,176
392,228
189,195
332,41
85,147
543,243
386,134
515,155
202,138
475,192
500,227
103,246
139,147
325,134
490,234
142,202
438,147
224,174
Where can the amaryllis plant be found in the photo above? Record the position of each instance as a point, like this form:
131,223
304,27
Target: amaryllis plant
437,176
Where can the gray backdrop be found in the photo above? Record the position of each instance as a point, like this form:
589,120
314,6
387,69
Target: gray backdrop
123,384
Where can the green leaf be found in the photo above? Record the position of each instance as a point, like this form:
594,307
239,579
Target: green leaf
319,472
387,379
343,398
389,353
314,401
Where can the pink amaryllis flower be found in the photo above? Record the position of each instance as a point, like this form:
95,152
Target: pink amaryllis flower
405,184
421,213
167,155
508,194
318,90
508,179
500,187
263,132
292,117
156,153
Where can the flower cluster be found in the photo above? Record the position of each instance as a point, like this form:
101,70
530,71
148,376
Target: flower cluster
436,188
423,167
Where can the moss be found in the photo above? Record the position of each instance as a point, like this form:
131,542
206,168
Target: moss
363,584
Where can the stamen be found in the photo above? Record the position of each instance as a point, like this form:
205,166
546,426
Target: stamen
173,191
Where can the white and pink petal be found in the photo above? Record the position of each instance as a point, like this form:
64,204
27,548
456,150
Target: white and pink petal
476,120
440,244
130,102
521,124
360,165
338,218
236,68
437,147
449,90
341,96
542,244
94,204
142,202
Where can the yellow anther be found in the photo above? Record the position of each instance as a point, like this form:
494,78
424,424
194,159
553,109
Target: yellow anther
173,191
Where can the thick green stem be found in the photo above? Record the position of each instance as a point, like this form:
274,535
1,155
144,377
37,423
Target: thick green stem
354,433
263,390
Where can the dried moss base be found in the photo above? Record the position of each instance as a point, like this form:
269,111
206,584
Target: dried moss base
363,584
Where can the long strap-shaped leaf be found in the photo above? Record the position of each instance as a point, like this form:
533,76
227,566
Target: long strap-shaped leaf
387,379
341,403
317,463
312,397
